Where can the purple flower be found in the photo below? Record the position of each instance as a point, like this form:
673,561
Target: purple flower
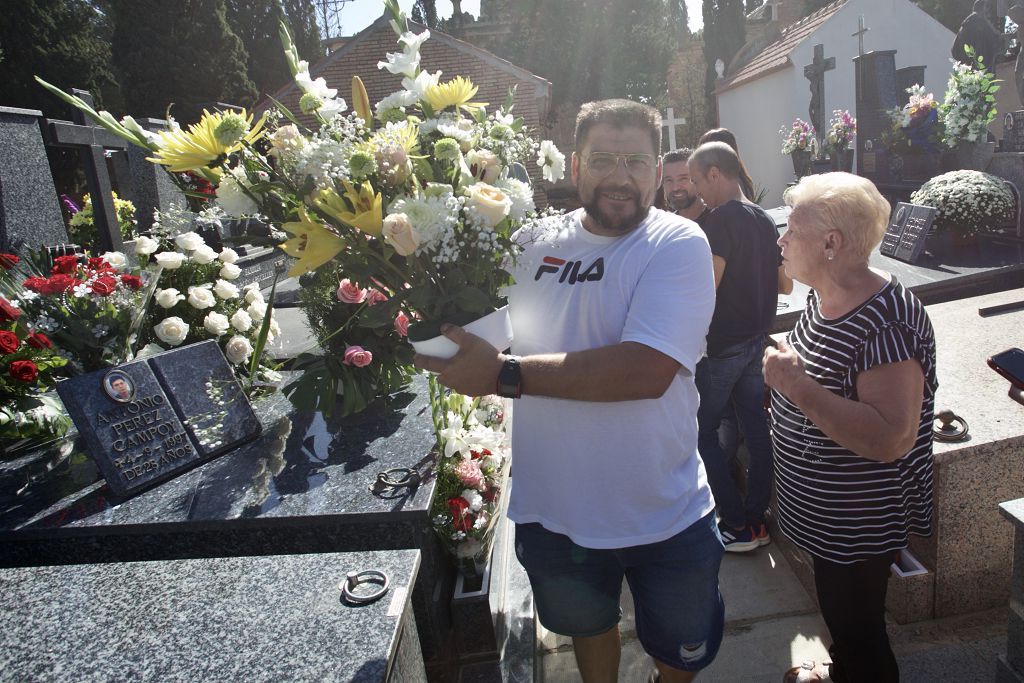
69,204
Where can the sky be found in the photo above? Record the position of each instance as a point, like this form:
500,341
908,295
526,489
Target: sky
358,14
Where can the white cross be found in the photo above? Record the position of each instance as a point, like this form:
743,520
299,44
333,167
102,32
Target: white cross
670,121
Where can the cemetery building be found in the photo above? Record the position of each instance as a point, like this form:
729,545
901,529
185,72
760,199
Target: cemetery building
771,80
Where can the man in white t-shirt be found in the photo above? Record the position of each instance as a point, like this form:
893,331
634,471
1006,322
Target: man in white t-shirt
609,313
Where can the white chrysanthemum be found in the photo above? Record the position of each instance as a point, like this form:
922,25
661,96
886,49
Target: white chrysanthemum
521,195
432,216
473,497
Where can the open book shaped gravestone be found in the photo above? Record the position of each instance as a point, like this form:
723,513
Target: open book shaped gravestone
149,420
908,228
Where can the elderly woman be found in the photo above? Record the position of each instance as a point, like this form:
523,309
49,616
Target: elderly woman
853,390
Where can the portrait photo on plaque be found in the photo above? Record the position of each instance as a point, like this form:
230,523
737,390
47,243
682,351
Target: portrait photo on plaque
119,386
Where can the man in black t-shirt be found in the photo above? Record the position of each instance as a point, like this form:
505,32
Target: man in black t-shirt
746,262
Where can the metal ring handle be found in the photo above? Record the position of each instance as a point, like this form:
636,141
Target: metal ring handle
410,478
953,427
355,579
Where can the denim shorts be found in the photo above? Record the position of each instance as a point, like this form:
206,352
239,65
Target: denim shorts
679,610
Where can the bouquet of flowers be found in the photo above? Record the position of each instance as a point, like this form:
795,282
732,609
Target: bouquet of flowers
841,130
967,201
970,104
91,307
472,470
28,362
416,197
80,225
917,126
195,299
800,137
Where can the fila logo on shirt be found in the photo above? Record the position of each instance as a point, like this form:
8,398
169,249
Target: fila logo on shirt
570,270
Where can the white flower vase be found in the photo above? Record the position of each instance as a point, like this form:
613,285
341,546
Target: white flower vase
495,328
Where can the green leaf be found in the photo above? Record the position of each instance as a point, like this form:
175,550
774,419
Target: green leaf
472,299
261,341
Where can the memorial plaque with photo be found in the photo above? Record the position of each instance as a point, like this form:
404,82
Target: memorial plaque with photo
149,420
1013,132
907,231
206,396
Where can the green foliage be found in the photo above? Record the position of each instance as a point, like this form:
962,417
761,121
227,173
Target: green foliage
724,36
594,49
63,41
183,52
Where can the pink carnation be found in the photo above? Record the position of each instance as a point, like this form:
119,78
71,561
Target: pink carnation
357,356
375,296
468,472
350,293
402,324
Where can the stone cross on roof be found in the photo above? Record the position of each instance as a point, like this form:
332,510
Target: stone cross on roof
671,122
815,73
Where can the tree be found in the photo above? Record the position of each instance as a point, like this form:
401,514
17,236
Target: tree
182,53
594,49
724,36
327,14
64,42
425,12
256,23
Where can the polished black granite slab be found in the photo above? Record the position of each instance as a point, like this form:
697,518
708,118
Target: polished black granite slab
216,619
302,486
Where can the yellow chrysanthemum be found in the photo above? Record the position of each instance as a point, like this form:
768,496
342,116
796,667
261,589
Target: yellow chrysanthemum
366,214
454,93
200,147
313,244
403,134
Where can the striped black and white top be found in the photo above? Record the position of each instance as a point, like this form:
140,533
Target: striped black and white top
832,503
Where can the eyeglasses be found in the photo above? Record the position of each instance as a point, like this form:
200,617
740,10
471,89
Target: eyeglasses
603,164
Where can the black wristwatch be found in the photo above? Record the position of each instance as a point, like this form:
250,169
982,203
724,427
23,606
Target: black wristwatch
510,379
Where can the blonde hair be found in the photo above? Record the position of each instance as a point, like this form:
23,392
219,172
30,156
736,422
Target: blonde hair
844,202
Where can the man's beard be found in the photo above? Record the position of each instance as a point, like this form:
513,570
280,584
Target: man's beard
614,224
682,202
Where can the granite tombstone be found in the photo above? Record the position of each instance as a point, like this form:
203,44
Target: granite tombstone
151,419
908,228
1013,132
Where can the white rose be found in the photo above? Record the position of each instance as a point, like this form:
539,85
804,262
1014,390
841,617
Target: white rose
148,350
399,233
115,259
171,330
189,241
170,260
241,321
201,297
237,349
228,255
487,164
216,323
490,203
225,290
256,310
229,271
204,254
253,294
166,298
273,331
144,246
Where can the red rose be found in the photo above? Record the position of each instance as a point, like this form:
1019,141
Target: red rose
57,284
8,261
24,370
478,455
104,285
459,509
132,281
9,342
38,340
65,264
490,494
7,311
98,263
36,284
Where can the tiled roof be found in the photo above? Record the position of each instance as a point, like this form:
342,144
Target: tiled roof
776,55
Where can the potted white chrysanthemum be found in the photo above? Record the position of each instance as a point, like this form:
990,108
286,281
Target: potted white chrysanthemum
968,202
